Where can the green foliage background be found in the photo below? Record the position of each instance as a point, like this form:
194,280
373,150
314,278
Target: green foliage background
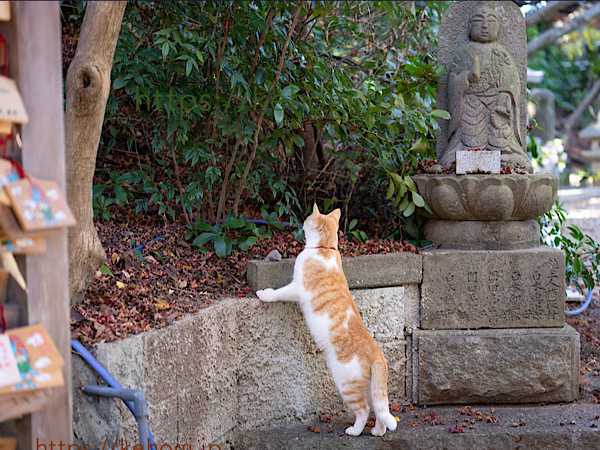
218,128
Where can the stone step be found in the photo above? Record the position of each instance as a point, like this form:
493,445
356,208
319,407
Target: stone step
564,426
497,366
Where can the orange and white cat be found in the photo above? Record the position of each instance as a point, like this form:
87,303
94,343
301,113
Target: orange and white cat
355,360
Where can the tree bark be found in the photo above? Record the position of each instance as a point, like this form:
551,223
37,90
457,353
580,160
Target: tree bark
550,36
87,89
545,13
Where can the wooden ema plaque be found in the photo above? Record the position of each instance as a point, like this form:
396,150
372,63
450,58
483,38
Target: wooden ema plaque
11,105
38,360
14,406
8,172
39,205
4,17
7,443
27,245
11,230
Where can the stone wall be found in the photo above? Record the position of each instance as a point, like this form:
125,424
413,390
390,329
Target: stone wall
241,364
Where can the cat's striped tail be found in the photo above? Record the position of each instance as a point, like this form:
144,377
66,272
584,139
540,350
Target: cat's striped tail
379,395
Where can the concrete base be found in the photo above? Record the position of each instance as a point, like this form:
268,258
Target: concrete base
497,366
512,428
478,235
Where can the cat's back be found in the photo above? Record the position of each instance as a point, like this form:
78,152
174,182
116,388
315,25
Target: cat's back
330,310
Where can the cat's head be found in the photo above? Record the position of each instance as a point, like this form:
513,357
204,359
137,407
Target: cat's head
321,230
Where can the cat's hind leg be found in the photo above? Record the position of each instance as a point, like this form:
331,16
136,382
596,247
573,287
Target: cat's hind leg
286,293
355,396
384,420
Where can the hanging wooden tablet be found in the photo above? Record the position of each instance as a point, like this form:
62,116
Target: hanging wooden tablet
7,443
3,280
12,108
11,229
9,371
8,172
27,245
39,205
4,11
5,127
38,360
15,405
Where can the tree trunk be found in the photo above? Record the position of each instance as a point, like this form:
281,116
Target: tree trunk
87,89
550,36
545,13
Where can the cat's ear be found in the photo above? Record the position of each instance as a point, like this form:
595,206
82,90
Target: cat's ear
336,214
316,210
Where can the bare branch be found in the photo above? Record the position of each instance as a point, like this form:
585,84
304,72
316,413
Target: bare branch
545,13
575,115
552,35
264,108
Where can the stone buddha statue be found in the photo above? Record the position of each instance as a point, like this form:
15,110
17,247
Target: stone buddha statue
483,96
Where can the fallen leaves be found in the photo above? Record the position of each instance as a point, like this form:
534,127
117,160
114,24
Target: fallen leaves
148,288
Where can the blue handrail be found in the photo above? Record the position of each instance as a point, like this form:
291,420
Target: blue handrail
106,376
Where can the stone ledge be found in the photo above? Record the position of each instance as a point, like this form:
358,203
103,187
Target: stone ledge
367,271
459,366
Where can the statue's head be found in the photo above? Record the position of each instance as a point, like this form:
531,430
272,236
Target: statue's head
484,25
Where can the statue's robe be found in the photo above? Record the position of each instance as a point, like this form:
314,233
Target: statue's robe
485,111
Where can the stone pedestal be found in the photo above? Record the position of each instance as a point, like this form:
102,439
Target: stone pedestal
497,366
493,328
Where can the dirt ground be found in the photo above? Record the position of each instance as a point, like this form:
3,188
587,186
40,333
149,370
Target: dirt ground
584,212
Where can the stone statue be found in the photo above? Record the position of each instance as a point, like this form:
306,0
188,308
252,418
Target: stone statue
484,96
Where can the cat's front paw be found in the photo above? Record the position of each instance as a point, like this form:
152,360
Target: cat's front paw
266,295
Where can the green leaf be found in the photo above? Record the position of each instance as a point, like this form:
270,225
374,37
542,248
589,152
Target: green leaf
278,114
188,67
370,120
428,208
391,189
397,178
201,226
419,146
104,270
411,229
403,203
234,223
418,200
362,97
165,50
409,209
352,224
203,239
289,90
120,194
247,243
97,189
119,83
441,113
410,183
220,246
138,255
